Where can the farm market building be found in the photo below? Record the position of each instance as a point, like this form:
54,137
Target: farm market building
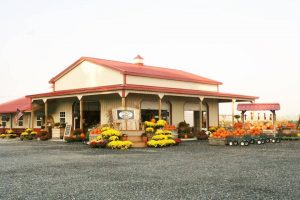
86,92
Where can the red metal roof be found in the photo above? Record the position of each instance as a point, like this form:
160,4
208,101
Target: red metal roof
23,104
258,106
141,70
142,88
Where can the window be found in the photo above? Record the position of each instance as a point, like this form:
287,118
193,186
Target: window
20,121
38,120
62,117
3,119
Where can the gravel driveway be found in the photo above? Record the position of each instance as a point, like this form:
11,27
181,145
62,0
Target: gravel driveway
193,170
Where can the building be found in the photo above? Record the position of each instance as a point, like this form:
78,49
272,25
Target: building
87,91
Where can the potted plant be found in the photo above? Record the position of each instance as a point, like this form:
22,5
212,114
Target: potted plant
124,137
144,137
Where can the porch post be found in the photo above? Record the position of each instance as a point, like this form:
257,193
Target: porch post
233,101
159,108
32,119
200,112
123,96
274,117
11,120
160,96
243,117
46,112
81,113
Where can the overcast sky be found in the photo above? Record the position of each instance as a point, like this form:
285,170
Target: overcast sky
253,47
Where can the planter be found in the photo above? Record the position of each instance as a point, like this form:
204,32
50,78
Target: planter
144,138
217,141
124,138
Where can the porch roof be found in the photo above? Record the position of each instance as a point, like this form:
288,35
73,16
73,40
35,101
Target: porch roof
258,106
165,90
23,104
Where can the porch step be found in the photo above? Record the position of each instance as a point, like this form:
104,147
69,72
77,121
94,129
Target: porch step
135,138
139,145
133,133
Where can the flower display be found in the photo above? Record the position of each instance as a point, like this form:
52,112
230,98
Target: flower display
149,124
10,131
2,135
161,143
110,138
149,130
33,133
105,128
159,132
110,132
113,138
119,144
160,123
24,134
162,138
28,130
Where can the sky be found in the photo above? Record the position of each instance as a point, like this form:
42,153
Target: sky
253,47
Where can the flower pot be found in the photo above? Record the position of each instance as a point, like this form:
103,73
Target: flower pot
144,138
186,136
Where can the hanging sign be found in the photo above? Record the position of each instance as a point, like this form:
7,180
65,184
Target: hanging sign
125,114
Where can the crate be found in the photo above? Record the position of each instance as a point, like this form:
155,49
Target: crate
217,141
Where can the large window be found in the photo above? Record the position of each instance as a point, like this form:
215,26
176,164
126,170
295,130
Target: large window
3,119
62,117
20,121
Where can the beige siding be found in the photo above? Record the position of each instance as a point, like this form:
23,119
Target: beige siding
170,83
60,105
26,121
213,112
88,74
11,123
107,104
177,110
134,100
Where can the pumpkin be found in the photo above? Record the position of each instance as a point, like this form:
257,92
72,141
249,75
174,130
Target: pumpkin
82,136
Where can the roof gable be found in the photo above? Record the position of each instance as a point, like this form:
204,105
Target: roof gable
140,70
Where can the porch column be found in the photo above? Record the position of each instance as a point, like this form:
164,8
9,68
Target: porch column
159,108
81,113
200,112
233,101
46,112
274,118
32,119
243,117
160,96
11,120
123,96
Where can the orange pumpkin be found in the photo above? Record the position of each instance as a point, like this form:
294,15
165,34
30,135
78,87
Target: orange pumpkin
82,136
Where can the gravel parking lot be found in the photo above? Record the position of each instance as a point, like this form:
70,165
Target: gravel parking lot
193,170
